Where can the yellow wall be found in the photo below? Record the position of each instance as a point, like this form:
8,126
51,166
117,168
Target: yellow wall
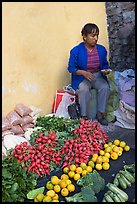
36,40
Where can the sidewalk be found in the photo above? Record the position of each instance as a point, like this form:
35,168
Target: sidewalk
116,132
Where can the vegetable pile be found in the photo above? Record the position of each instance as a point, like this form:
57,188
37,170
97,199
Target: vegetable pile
123,179
16,181
50,149
89,140
91,184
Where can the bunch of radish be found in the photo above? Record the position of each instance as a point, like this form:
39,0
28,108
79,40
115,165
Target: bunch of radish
89,140
37,157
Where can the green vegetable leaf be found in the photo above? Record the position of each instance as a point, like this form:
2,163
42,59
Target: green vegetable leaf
6,173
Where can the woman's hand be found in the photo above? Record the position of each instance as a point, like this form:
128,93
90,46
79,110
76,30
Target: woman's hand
106,71
86,74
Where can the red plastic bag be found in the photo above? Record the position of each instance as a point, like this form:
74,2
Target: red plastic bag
58,99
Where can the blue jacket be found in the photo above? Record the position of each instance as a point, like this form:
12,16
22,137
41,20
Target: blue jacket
78,60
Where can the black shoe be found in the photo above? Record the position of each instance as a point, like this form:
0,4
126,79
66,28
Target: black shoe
102,121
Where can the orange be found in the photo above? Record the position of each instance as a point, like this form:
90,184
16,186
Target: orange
110,143
121,149
71,174
108,149
105,159
94,159
99,160
64,177
127,148
40,197
114,156
76,176
112,146
79,170
83,165
122,144
91,163
119,153
68,181
84,172
63,184
116,142
47,198
101,152
107,154
98,167
55,200
54,180
72,167
57,188
64,192
105,145
35,200
115,148
50,193
89,169
65,170
56,197
105,166
71,187
49,185
95,155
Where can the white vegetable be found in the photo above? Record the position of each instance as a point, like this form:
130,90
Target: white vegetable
29,132
12,141
3,149
35,111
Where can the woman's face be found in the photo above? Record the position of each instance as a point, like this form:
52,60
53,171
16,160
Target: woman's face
92,38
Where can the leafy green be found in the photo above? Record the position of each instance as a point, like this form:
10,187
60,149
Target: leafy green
56,123
93,179
16,182
86,195
91,184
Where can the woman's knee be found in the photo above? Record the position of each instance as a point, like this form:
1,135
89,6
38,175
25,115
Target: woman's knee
105,88
83,88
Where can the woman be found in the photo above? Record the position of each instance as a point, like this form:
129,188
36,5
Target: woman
88,66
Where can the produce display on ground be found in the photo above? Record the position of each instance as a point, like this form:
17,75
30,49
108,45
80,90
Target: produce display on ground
66,159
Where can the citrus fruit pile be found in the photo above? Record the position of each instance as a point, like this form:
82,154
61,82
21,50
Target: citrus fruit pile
76,172
112,150
56,185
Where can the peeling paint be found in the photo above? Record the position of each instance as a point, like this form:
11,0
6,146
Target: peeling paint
28,87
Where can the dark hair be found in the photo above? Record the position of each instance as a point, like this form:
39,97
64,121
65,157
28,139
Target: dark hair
89,28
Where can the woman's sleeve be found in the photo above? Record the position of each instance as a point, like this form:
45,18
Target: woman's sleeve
105,64
73,61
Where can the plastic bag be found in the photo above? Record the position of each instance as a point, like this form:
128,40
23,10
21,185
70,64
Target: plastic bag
62,110
28,125
17,129
5,124
27,119
14,118
22,110
60,93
